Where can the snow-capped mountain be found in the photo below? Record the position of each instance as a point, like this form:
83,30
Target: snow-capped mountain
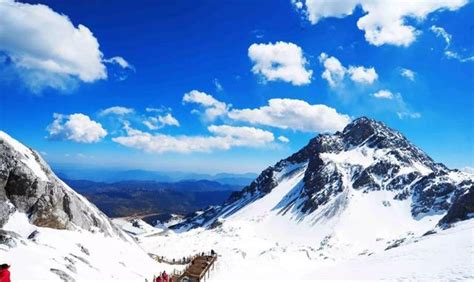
366,157
364,203
50,232
27,185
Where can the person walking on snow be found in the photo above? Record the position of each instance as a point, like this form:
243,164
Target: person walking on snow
165,277
4,273
159,279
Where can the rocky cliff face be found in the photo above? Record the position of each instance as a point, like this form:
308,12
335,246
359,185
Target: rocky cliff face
366,156
27,185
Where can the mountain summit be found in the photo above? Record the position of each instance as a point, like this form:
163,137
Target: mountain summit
367,160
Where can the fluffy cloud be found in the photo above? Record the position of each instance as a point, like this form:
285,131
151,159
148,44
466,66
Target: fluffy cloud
283,139
224,137
362,74
334,72
383,94
384,21
116,110
76,127
45,44
213,107
280,61
293,114
160,121
408,74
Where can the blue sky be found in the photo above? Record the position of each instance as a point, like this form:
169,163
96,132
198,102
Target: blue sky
416,76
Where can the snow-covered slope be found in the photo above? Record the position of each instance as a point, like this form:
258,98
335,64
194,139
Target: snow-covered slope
362,192
367,163
49,232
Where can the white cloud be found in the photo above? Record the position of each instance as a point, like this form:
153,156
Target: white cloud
218,85
46,45
441,32
404,115
334,72
383,94
453,55
119,61
224,137
408,74
116,110
213,107
468,169
160,121
280,61
396,101
362,74
384,21
283,139
293,114
76,127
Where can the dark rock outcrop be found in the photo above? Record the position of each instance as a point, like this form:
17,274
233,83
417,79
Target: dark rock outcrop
28,185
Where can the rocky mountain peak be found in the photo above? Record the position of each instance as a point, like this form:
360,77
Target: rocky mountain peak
29,186
366,156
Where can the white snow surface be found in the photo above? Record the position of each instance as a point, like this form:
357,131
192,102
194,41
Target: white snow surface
347,238
26,155
83,255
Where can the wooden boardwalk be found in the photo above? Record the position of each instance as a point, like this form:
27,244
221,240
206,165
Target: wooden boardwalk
198,270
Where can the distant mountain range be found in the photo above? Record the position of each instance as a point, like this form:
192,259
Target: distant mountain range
117,175
137,197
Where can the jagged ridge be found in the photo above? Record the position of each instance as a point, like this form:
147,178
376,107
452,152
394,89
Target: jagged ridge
367,156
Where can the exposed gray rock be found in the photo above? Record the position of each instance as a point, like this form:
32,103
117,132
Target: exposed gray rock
398,166
28,185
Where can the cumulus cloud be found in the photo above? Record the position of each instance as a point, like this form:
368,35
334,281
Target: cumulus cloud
407,73
293,114
280,61
224,137
76,127
47,50
383,94
213,107
53,45
160,121
283,139
334,72
383,21
116,110
362,74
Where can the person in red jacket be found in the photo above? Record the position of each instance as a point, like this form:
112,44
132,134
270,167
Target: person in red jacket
4,273
165,277
159,279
